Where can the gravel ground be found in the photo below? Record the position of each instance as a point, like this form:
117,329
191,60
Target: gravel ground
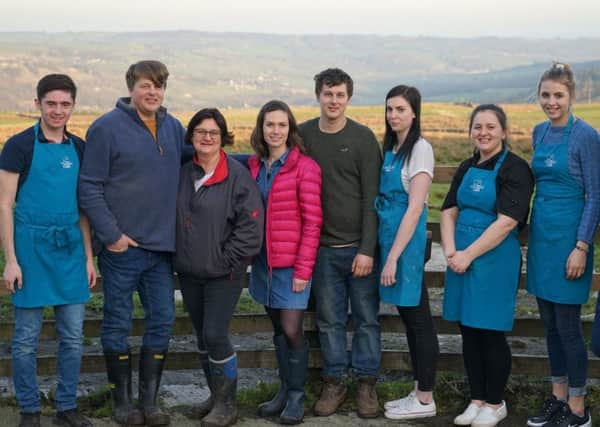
10,417
181,389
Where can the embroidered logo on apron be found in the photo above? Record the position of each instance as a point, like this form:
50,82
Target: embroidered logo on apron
477,186
550,161
66,163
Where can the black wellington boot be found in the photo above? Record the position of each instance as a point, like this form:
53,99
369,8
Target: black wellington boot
118,371
297,369
224,379
200,410
277,403
151,367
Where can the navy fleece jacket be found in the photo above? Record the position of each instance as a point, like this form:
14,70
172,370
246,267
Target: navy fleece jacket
128,180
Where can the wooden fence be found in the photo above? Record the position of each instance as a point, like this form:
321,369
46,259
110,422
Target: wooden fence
246,324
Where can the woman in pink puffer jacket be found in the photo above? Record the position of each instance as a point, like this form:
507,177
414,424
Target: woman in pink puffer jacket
290,185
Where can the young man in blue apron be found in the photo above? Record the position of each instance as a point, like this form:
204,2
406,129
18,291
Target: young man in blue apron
47,247
128,189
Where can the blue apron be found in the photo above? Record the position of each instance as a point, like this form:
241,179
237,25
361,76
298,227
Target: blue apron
484,296
48,239
391,205
557,208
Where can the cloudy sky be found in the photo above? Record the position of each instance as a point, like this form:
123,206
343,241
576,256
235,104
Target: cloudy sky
455,18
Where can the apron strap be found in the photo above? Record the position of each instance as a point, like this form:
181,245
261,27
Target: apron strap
566,131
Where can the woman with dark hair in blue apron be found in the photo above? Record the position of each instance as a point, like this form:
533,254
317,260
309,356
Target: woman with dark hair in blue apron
406,176
565,214
487,202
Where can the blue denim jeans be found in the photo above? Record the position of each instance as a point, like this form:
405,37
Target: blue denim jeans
596,330
69,325
566,347
151,275
333,284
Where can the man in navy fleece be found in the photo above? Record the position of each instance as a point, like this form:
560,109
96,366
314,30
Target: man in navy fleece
128,188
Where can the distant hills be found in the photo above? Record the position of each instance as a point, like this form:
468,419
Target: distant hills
517,84
240,70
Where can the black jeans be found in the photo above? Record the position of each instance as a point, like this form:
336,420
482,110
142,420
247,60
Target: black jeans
422,341
210,304
488,362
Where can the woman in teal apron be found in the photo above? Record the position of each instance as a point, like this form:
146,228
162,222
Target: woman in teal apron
565,213
488,199
406,175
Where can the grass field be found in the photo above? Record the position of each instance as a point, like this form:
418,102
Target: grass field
444,125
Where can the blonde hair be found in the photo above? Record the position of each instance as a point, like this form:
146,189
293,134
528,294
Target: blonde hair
562,73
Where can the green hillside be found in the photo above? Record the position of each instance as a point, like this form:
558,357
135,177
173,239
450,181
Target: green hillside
240,70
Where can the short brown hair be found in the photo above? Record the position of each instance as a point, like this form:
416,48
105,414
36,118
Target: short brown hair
155,71
333,77
227,137
52,82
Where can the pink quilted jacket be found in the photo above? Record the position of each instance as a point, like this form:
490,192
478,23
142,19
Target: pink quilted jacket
293,216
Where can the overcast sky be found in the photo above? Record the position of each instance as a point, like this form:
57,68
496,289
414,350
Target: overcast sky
455,18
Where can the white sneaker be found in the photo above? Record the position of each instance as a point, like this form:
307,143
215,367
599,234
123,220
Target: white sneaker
400,402
467,417
410,409
489,417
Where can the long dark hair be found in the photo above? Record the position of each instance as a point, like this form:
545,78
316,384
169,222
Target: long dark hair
413,97
257,140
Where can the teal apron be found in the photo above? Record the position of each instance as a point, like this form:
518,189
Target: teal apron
48,239
484,296
557,208
391,205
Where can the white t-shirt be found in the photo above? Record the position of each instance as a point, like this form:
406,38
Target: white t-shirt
421,160
200,182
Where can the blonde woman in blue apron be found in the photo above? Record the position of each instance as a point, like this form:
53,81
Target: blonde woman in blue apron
487,202
47,248
565,214
406,176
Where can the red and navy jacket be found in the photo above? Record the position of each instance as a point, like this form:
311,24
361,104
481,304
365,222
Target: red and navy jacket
220,226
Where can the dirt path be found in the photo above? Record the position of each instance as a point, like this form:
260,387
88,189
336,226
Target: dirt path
10,417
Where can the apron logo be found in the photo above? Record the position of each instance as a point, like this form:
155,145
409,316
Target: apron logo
388,168
66,163
477,185
550,162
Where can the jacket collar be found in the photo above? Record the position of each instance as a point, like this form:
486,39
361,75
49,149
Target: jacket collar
290,162
221,171
124,104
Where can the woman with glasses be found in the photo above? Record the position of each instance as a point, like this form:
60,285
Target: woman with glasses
290,185
219,230
565,214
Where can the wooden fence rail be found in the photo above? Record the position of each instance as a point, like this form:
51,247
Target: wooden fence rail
247,324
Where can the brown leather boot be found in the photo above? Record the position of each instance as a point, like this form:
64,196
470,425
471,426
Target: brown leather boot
332,396
366,398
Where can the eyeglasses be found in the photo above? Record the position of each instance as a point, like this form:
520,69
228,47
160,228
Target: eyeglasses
203,132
